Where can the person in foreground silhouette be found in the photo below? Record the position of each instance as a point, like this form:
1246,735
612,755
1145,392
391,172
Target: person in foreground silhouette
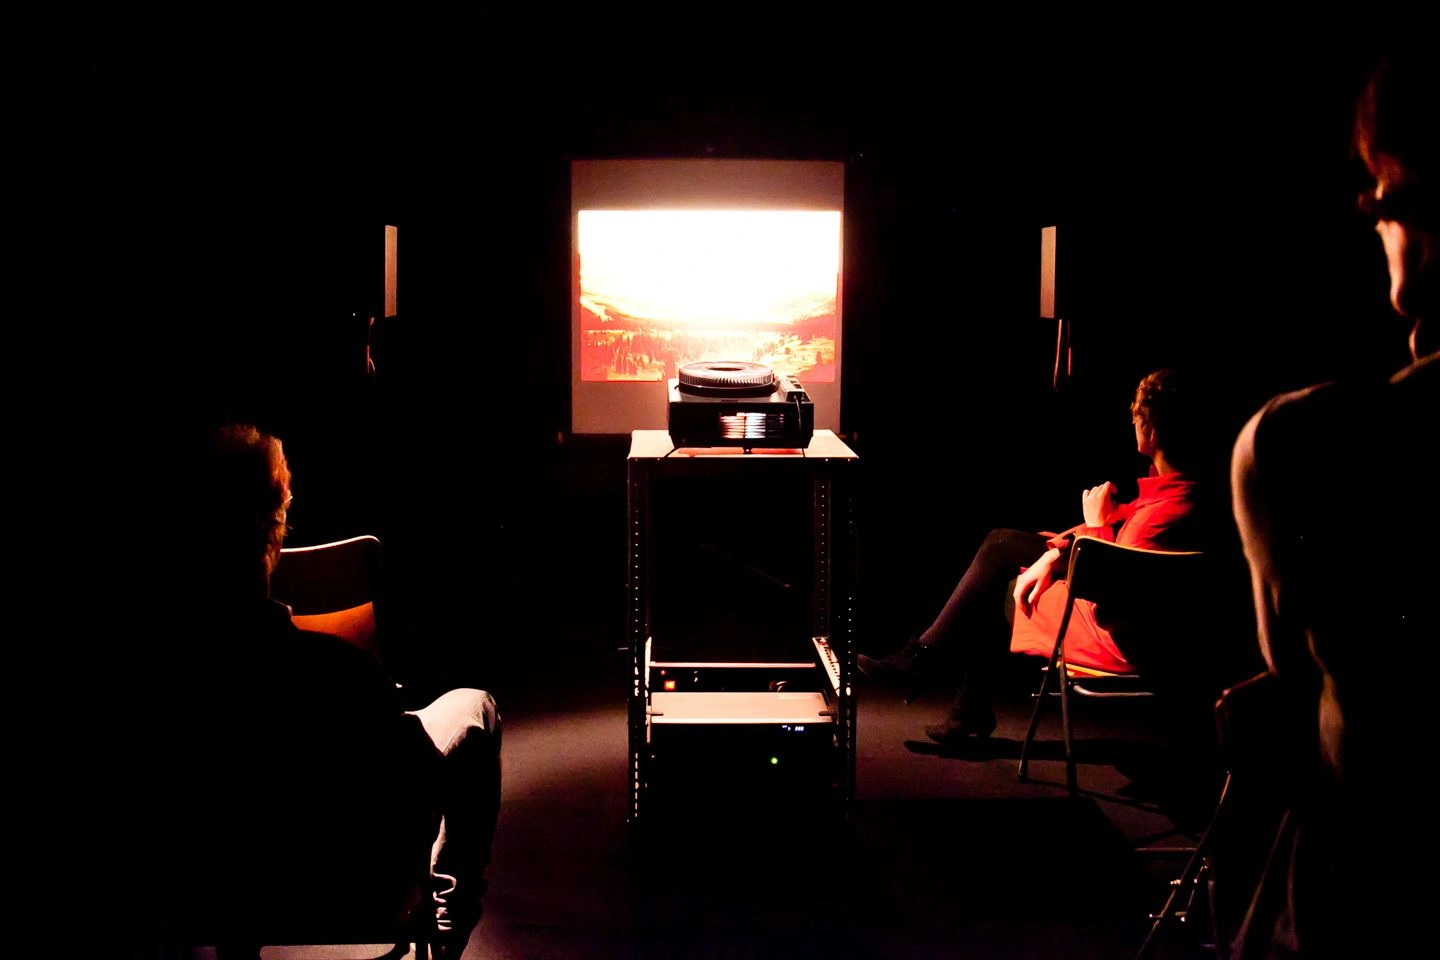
1344,596
309,791
971,632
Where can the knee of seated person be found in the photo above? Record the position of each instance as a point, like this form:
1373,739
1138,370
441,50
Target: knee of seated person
475,704
460,716
993,542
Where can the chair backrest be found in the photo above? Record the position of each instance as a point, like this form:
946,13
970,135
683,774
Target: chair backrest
1153,602
1127,578
333,588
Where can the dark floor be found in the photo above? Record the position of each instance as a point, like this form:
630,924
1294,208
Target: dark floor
944,856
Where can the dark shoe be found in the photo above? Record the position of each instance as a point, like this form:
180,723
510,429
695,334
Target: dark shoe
913,661
897,664
954,732
901,663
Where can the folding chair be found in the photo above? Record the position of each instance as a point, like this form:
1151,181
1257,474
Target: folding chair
1147,591
333,588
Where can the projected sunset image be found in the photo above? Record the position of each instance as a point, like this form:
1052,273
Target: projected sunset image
660,288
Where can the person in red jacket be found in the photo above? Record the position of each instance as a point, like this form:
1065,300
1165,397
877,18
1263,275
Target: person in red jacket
1161,517
971,630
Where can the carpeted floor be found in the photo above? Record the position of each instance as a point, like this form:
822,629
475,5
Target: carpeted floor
945,855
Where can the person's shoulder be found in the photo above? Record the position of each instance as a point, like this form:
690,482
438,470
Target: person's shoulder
1423,374
1296,405
1282,417
1324,417
1349,410
1291,436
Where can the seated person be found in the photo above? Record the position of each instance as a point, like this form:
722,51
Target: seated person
971,631
308,791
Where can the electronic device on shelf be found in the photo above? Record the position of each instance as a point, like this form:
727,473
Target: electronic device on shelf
736,403
738,677
828,660
776,767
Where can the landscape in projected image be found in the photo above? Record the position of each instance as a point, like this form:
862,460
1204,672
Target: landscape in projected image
661,288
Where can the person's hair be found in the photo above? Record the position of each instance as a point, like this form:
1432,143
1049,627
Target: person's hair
239,500
1168,403
1395,113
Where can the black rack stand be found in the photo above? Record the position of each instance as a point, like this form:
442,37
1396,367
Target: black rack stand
741,654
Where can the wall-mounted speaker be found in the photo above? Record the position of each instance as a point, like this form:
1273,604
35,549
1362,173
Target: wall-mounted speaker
392,242
1047,272
1063,354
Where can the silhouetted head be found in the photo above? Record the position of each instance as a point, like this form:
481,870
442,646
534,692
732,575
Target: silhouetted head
241,498
1168,416
1395,133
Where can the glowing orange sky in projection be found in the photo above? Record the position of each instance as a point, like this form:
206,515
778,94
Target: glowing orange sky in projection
659,288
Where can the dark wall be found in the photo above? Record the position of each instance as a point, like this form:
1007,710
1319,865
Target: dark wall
1203,191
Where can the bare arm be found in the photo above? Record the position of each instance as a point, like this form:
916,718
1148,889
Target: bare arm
1252,517
1272,485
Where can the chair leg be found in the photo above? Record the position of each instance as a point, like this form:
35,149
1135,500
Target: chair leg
1056,667
1071,787
1183,889
1178,905
1034,723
